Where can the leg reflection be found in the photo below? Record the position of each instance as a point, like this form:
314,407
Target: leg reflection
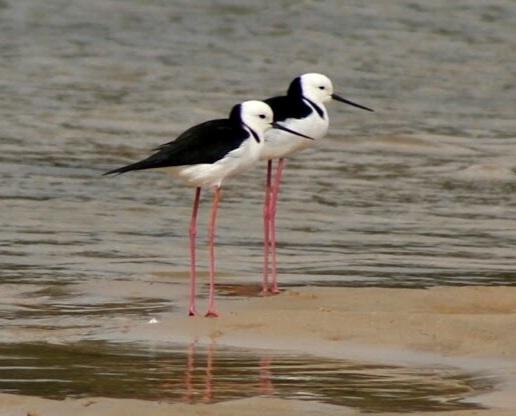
200,377
189,373
208,380
266,386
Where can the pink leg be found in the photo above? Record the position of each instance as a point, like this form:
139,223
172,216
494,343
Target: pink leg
266,229
274,200
192,311
211,243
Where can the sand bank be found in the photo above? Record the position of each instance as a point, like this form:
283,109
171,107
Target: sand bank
469,327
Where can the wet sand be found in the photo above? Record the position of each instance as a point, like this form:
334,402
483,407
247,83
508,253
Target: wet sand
468,327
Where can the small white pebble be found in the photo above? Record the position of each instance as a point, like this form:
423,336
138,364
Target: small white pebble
153,321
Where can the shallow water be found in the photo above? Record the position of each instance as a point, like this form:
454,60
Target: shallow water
419,193
194,374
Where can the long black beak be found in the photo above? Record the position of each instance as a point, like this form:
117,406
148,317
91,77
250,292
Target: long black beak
343,100
280,127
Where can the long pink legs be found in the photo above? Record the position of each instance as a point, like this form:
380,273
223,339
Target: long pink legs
274,201
211,243
269,226
192,310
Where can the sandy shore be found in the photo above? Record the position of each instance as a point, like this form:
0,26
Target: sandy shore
471,327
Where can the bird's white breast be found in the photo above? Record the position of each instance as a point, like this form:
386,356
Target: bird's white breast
280,143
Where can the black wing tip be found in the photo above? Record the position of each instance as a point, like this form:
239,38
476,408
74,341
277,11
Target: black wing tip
148,163
117,171
111,172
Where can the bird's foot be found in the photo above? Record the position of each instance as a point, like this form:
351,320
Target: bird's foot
211,314
274,290
270,291
265,292
192,312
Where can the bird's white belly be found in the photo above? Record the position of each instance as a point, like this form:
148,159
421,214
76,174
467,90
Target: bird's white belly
212,174
280,143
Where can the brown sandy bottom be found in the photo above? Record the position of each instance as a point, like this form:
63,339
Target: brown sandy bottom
471,328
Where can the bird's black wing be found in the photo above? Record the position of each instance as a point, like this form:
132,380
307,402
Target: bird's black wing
205,143
285,107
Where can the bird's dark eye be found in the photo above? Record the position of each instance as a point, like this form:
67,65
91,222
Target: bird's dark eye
262,116
322,87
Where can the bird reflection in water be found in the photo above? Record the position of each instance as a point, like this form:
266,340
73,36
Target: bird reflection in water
215,378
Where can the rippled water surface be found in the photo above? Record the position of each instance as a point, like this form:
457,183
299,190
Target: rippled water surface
193,374
422,192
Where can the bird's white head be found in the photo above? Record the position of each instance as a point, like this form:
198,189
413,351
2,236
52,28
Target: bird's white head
256,115
316,87
319,89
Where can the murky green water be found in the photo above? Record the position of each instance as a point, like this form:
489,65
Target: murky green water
211,374
420,193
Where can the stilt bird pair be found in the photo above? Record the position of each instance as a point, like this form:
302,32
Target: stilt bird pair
206,154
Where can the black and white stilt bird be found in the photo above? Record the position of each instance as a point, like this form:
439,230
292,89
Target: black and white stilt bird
302,110
205,155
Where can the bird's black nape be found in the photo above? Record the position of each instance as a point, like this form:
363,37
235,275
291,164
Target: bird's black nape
295,89
236,114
